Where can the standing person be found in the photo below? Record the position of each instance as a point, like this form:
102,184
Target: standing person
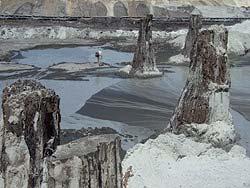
98,55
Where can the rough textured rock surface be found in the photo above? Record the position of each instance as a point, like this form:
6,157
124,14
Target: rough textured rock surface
144,61
174,159
31,156
89,162
205,97
195,25
144,55
144,58
30,132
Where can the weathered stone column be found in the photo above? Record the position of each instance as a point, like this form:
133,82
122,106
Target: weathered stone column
144,55
30,132
144,58
195,24
205,97
144,63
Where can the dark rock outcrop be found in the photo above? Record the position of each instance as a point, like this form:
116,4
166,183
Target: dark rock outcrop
99,9
31,156
195,24
205,97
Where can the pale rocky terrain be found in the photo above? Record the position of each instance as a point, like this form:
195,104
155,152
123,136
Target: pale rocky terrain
177,161
75,67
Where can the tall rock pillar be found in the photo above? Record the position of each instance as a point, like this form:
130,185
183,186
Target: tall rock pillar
195,24
205,97
144,62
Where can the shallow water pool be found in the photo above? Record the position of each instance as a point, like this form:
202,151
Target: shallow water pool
81,54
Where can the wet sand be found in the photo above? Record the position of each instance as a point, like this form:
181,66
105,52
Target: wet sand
144,100
150,103
146,103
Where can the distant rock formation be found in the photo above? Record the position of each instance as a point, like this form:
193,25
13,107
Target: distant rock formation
144,63
31,156
171,8
205,97
195,24
144,56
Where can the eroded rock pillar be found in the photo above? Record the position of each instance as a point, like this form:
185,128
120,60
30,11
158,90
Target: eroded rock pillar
30,154
205,97
144,58
30,132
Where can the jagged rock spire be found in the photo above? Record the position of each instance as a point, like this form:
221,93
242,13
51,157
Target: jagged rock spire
205,97
195,24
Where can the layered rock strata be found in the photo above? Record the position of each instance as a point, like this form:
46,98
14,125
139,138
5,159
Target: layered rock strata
173,8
